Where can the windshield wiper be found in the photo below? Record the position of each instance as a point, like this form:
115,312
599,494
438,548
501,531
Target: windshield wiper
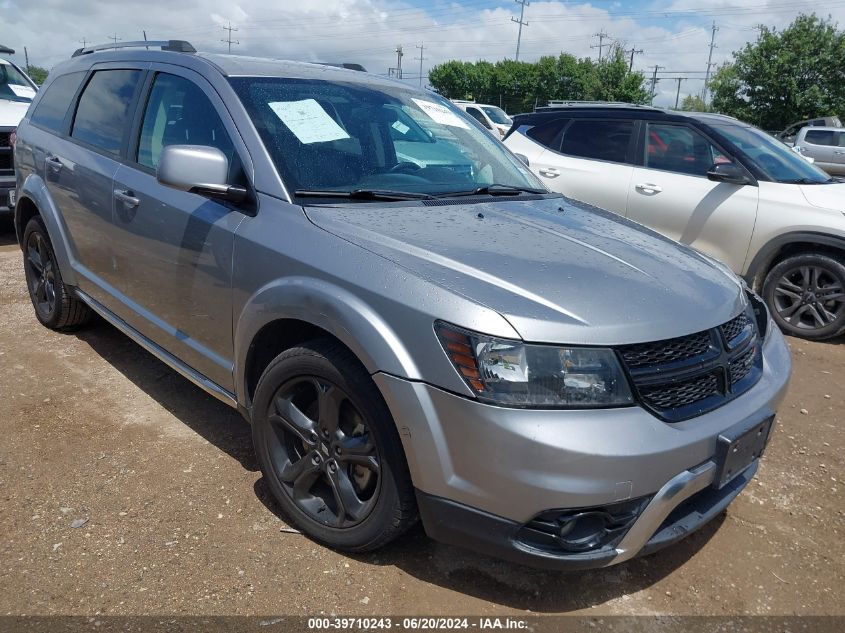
363,194
492,190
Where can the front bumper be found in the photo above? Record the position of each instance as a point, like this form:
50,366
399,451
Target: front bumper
483,472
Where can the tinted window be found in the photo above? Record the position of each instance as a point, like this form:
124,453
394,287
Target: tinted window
680,149
52,108
179,113
548,134
841,139
820,137
599,140
103,111
475,113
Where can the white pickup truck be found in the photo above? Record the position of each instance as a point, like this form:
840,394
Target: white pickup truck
16,92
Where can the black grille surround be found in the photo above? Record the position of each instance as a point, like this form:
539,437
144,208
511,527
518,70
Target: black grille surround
683,377
6,166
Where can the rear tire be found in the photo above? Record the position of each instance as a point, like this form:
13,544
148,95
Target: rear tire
806,295
54,304
329,449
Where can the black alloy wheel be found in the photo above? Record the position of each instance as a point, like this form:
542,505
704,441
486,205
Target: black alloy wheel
41,274
806,295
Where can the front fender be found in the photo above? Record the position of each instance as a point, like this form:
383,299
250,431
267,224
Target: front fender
330,307
35,190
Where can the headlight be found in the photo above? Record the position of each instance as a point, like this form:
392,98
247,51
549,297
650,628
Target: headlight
515,374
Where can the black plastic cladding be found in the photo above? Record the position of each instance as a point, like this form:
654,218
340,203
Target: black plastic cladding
683,377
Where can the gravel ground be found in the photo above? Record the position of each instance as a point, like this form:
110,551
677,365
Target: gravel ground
126,490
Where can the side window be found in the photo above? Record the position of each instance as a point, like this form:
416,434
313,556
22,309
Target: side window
179,113
680,149
52,108
103,111
841,139
599,140
548,134
820,137
475,113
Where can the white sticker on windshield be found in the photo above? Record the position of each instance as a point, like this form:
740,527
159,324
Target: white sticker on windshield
22,91
308,121
440,114
400,127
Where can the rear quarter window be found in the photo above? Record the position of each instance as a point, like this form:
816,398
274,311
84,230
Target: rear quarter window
51,109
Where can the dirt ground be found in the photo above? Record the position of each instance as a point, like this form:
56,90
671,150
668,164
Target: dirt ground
176,519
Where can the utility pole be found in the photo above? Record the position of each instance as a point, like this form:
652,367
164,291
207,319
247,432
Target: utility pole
84,42
654,81
26,57
115,39
678,93
399,55
145,39
601,35
421,58
522,4
229,39
709,62
633,51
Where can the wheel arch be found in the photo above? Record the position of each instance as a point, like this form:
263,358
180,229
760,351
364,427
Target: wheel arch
35,200
786,245
290,311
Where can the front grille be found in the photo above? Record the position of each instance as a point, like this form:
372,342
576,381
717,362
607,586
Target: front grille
6,166
672,396
679,378
668,351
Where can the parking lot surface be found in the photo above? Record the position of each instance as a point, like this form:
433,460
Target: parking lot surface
127,490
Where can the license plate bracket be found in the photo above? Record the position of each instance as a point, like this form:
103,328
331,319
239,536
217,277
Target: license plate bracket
736,451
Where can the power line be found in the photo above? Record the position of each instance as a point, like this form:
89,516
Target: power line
601,35
421,58
229,39
522,4
709,62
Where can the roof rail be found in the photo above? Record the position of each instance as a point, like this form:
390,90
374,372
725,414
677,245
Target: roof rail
346,65
554,105
177,46
6,50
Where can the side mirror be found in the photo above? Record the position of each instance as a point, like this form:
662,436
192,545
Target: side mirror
729,173
523,158
198,169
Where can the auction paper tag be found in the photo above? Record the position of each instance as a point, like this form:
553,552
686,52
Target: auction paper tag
22,91
308,121
440,114
400,127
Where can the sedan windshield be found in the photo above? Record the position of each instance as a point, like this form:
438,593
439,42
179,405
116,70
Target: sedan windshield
351,137
773,158
13,85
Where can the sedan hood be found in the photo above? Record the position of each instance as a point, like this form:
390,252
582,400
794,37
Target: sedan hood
830,196
557,270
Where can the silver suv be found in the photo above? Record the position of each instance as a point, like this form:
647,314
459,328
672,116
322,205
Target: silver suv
825,145
445,339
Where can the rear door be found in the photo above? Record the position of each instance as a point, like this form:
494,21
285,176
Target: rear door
79,168
175,255
819,145
671,193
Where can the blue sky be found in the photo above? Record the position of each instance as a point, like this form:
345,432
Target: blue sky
673,34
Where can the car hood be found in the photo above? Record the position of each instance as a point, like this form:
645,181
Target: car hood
825,196
557,270
11,112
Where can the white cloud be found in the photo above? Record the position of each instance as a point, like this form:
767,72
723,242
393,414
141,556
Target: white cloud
674,34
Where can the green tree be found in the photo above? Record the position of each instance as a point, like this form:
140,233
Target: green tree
37,74
694,103
785,76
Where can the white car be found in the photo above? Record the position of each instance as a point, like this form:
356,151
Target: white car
493,118
721,186
16,92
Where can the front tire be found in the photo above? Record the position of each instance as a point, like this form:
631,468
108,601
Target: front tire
329,450
55,306
806,295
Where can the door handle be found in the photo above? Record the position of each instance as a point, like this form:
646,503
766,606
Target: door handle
54,163
127,198
549,172
647,187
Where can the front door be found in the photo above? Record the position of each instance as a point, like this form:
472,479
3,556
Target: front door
671,194
175,256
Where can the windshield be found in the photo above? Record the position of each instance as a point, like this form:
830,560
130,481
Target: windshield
497,115
13,85
773,158
351,136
